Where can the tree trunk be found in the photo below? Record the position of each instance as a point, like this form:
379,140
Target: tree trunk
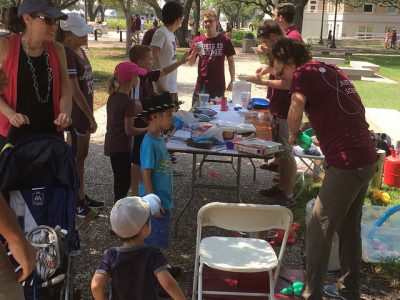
181,33
128,17
90,11
196,17
299,10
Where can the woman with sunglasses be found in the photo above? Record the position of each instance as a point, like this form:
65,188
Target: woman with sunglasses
73,35
337,115
38,98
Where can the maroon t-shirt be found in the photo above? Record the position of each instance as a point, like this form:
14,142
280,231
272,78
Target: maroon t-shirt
211,70
119,107
280,99
336,113
82,70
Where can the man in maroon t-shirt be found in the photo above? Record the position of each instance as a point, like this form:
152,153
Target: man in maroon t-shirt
337,115
211,70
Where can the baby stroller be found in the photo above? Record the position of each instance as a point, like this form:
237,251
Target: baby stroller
39,180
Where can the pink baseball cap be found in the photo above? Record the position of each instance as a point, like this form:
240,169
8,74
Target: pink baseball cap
124,71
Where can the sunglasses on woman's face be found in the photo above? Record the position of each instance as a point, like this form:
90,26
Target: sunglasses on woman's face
47,20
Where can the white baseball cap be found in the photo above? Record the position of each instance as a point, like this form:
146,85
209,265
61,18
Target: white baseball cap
76,24
130,214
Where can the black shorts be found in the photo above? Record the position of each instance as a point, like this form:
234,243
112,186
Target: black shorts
137,141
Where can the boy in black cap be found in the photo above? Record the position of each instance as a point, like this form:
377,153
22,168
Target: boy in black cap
156,165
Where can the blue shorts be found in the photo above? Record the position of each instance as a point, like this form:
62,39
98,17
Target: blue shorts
160,231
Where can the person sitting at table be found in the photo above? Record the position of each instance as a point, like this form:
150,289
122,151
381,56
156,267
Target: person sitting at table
337,116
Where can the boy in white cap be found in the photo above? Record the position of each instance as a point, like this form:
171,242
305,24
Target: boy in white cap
134,268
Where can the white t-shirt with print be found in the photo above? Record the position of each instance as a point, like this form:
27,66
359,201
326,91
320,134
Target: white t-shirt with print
165,40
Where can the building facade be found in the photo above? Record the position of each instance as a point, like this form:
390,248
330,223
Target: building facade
369,21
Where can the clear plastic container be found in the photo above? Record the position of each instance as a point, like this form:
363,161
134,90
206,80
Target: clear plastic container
238,88
383,242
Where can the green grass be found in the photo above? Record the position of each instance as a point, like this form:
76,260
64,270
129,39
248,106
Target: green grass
388,268
103,61
378,95
374,94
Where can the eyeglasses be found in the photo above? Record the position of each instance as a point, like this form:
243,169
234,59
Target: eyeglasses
208,21
47,20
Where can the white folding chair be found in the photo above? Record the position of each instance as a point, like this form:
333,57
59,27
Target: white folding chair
238,254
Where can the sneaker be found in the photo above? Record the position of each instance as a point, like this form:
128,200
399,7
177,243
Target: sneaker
273,192
277,197
93,204
284,201
84,211
270,167
331,291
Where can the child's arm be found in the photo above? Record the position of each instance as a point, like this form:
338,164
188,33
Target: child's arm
131,130
175,65
146,177
170,285
98,282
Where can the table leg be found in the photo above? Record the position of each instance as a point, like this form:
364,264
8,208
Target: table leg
203,160
254,169
238,179
192,187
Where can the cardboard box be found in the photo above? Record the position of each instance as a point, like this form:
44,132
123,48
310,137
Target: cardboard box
258,147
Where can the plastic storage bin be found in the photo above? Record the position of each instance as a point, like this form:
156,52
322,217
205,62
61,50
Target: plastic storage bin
380,242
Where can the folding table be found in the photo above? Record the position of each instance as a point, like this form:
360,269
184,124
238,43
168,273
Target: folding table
313,163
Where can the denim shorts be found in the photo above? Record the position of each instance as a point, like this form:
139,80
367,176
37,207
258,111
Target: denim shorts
160,231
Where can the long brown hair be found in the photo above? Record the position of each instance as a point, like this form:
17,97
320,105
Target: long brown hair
14,23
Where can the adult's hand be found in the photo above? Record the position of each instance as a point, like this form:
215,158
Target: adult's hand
93,125
262,70
229,87
63,120
17,120
254,79
3,80
25,254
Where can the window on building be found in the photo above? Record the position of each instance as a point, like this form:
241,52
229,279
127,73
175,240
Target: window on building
313,5
392,9
368,8
365,32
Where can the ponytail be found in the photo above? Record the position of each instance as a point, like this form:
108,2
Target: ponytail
14,23
60,35
112,85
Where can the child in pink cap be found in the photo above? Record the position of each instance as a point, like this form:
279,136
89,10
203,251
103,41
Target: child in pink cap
120,113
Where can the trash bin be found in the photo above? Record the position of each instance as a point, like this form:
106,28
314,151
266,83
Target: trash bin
376,180
247,44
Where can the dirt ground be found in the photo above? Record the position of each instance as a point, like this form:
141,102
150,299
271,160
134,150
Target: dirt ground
99,185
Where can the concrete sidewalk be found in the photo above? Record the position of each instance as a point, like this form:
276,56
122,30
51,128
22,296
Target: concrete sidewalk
385,120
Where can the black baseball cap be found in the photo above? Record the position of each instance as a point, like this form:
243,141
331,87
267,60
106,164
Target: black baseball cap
44,6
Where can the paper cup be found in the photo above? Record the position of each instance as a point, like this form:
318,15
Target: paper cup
200,46
203,99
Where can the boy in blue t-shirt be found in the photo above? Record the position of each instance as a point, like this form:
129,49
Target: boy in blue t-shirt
156,165
135,268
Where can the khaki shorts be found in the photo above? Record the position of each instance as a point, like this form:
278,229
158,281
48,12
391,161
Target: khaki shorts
9,288
280,134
